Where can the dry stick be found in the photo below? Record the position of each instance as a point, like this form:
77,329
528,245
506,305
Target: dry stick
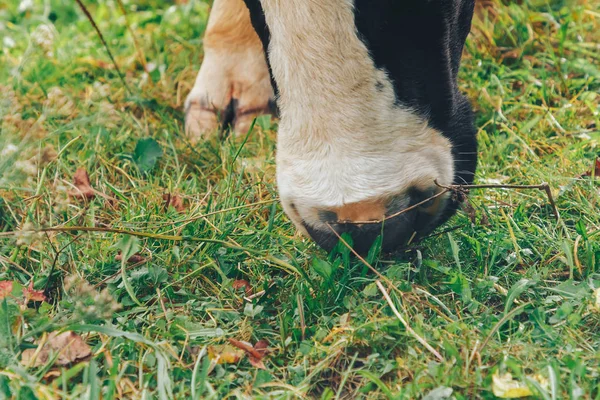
542,186
460,189
91,19
386,295
435,196
406,326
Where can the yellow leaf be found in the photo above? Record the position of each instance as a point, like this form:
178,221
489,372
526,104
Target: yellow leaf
505,387
597,299
225,354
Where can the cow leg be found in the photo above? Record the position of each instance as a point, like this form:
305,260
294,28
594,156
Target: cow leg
233,85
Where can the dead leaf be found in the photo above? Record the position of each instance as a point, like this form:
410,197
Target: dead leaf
255,354
242,283
68,348
81,180
31,294
134,259
5,288
174,201
256,363
505,387
262,348
225,354
595,171
247,347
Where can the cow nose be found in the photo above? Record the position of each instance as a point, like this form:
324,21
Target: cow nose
397,222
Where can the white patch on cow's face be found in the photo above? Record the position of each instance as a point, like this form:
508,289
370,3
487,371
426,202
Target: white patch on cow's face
342,139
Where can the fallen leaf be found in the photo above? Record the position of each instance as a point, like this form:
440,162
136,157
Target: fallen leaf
174,201
81,180
262,348
31,294
505,387
5,288
242,283
255,354
596,298
595,171
134,259
68,348
225,354
256,363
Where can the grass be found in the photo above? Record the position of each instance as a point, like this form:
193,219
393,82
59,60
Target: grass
510,290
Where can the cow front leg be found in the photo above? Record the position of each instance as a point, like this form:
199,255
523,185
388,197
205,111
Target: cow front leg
233,85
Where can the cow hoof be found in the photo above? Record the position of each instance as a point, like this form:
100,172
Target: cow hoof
230,91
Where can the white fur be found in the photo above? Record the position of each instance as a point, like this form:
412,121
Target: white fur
341,140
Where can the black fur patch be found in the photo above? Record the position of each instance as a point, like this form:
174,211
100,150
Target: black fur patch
419,44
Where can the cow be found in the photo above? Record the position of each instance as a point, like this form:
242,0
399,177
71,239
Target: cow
371,118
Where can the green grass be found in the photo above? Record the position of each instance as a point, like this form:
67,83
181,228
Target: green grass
510,290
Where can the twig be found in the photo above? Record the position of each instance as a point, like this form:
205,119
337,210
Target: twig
406,326
542,186
461,190
91,19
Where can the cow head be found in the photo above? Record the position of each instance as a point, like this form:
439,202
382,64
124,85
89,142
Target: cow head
371,116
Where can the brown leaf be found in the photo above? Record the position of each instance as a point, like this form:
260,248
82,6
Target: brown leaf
174,201
134,259
81,180
5,288
262,347
256,363
242,283
255,354
68,348
31,294
595,171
